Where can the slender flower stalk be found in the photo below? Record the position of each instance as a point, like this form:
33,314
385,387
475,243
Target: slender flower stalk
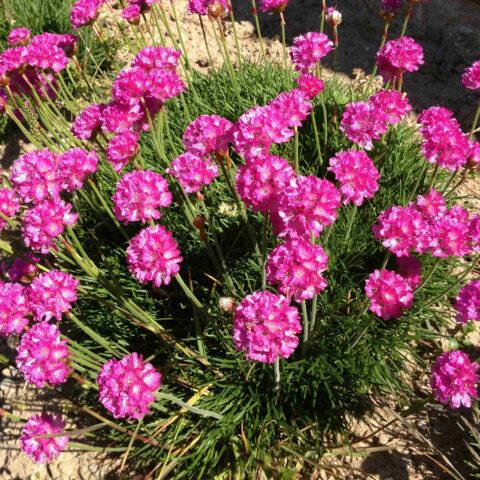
204,34
257,26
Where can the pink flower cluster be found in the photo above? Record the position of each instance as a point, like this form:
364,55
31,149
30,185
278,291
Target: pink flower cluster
410,268
467,303
265,327
389,294
23,269
153,256
454,379
399,56
471,76
127,387
42,356
121,149
85,12
51,294
310,85
390,6
444,142
43,450
19,36
307,50
296,266
427,225
394,105
273,6
75,164
357,175
213,8
140,195
14,308
9,205
89,121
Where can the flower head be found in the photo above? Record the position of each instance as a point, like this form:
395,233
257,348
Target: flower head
293,106
132,14
410,268
122,148
362,123
310,85
84,12
431,204
394,105
75,164
296,266
357,175
19,36
152,58
193,172
454,379
51,294
88,123
213,8
46,221
467,303
140,195
333,17
265,327
9,205
23,269
42,356
127,387
390,6
153,256
471,76
48,51
14,308
43,450
307,50
389,294
260,181
273,6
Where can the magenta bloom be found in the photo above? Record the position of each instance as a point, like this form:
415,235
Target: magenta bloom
296,267
132,14
306,207
471,76
273,6
399,56
213,8
42,356
14,308
153,256
454,379
35,176
402,230
127,387
394,105
431,205
48,51
151,58
293,106
208,134
51,294
260,181
140,195
120,118
410,268
84,12
310,85
19,36
23,269
390,6
357,175
474,233
307,50
88,123
389,294
193,172
43,450
467,303
75,164
122,148
362,123
46,221
265,327
9,205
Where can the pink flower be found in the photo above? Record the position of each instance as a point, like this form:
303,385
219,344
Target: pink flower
362,123
46,221
208,134
213,8
9,205
265,327
132,14
467,303
410,268
471,76
131,85
47,51
394,105
305,207
75,164
127,387
193,172
431,205
307,50
88,123
166,84
296,267
140,195
389,294
35,176
120,118
390,6
293,106
19,36
399,56
23,269
454,379
84,12
42,356
122,148
310,85
402,230
474,154
357,175
474,233
14,308
12,60
333,17
151,58
43,450
198,7
260,181
153,256
51,294
273,6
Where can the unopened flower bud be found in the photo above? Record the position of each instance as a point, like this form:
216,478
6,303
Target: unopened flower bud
333,17
199,222
227,304
215,10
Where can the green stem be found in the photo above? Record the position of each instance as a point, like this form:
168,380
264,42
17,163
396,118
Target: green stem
284,42
305,321
428,277
264,249
322,15
350,222
276,369
475,121
325,121
317,138
407,19
189,293
186,406
296,143
204,33
235,34
257,26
